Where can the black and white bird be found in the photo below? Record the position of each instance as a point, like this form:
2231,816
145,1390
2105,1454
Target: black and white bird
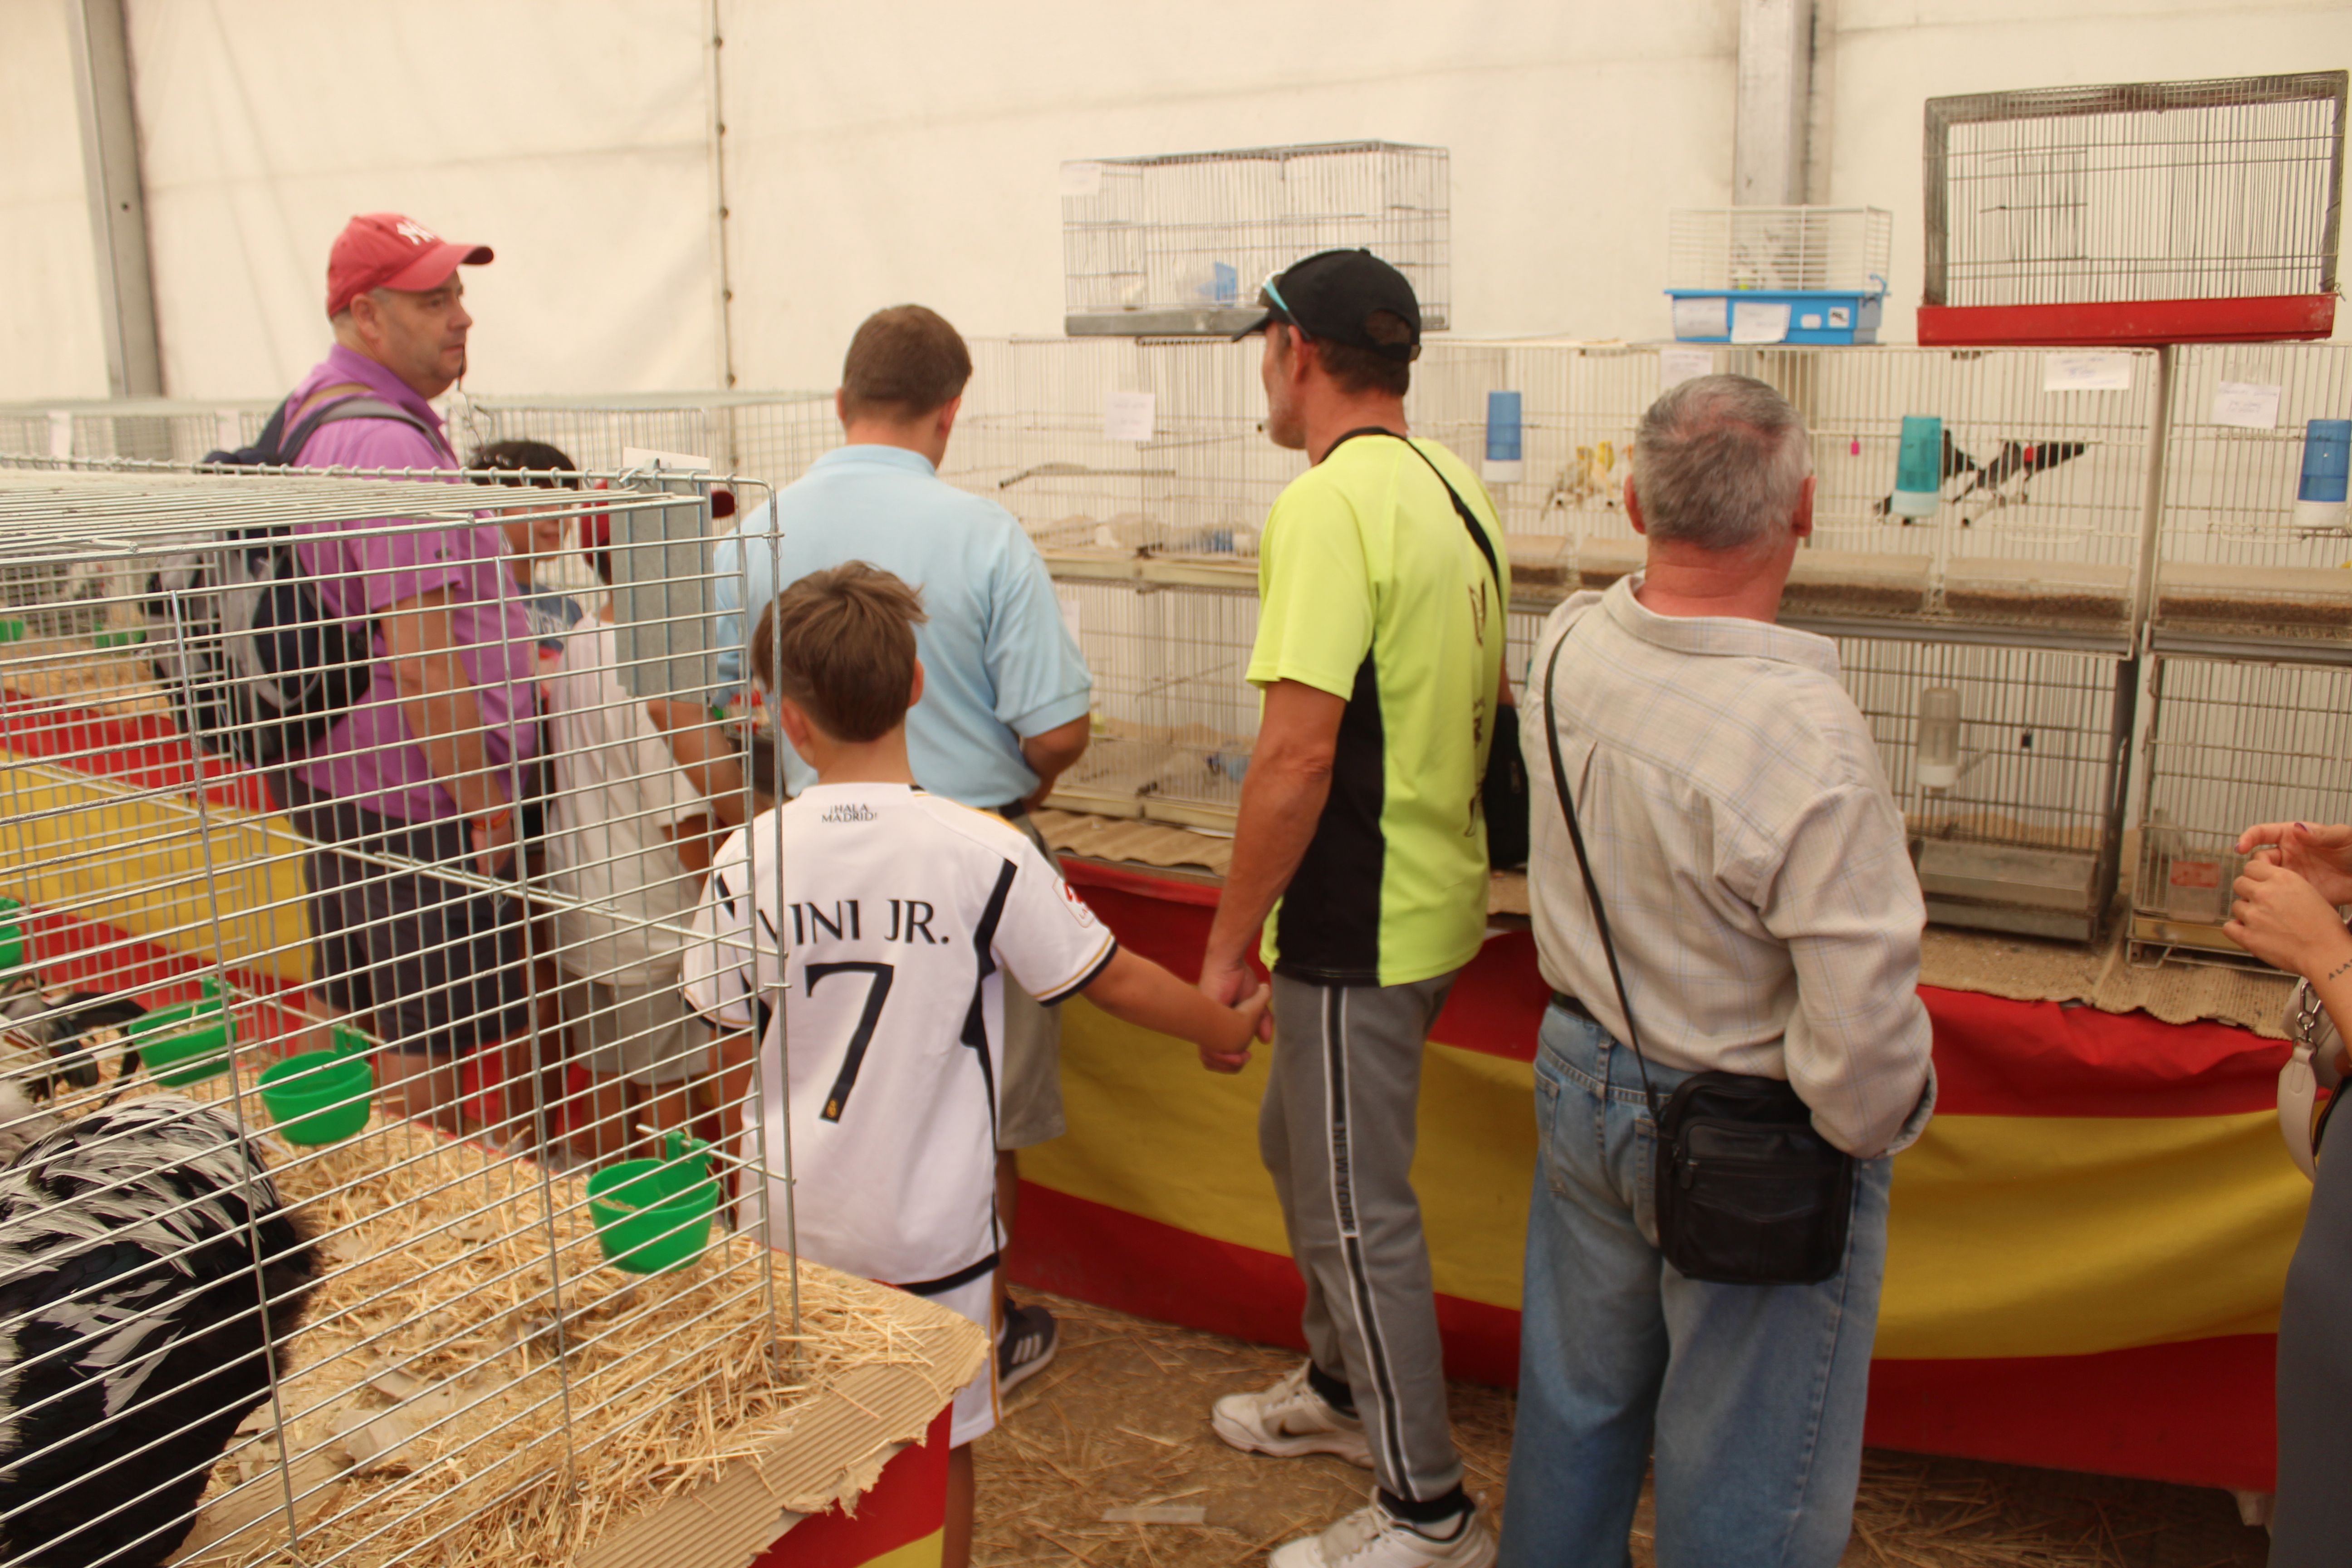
149,1277
55,1037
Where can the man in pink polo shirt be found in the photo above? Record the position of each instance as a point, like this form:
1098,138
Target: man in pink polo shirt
428,765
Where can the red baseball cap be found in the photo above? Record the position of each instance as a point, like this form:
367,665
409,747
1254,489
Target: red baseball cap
385,250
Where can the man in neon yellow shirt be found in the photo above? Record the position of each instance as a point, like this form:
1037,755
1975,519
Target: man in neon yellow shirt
1360,853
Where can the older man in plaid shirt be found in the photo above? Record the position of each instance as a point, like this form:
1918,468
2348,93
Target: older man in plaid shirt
1758,884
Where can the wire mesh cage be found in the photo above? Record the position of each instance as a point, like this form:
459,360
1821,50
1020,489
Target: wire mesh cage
767,436
1800,274
2020,513
366,1193
153,429
2230,743
1178,244
2154,212
2010,765
2255,547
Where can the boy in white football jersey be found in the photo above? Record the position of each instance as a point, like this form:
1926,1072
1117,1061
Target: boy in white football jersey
873,970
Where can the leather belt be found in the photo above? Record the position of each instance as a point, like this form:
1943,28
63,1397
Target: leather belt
1013,813
1567,1003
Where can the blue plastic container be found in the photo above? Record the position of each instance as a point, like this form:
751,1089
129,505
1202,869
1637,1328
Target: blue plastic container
2319,497
1505,428
1918,467
1834,315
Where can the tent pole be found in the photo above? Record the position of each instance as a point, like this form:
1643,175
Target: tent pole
118,209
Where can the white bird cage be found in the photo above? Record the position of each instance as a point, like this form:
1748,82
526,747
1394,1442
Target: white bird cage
2148,213
2245,564
473,1378
2230,742
1798,275
1177,245
2017,591
768,437
2018,827
150,429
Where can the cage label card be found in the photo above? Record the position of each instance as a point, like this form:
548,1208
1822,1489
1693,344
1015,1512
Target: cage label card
1127,415
1707,317
2247,405
1759,322
1082,177
2086,372
1676,366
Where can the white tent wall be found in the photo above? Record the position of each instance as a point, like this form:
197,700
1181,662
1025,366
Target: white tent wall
49,342
1894,54
921,160
913,153
572,136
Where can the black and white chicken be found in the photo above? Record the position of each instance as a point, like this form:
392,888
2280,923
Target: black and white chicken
57,1035
136,1327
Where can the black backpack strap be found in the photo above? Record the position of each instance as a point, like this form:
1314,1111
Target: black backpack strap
1461,508
359,407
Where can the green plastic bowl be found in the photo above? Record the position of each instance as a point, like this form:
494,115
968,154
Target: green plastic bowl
319,1097
187,1043
12,947
653,1215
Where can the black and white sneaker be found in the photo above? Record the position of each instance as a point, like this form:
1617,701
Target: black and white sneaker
1025,1347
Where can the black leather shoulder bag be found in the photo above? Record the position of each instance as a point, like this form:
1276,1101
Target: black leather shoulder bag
1747,1193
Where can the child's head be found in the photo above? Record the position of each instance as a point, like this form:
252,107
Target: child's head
839,645
527,463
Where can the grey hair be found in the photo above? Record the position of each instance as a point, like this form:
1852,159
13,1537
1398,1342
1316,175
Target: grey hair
1719,462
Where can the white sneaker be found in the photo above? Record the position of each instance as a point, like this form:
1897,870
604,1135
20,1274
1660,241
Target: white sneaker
1371,1538
1288,1420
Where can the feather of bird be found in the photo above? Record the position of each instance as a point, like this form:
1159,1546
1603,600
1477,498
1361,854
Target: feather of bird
1955,462
2018,460
50,1037
136,1328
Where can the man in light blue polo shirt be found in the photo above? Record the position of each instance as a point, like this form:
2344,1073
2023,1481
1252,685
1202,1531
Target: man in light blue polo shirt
1006,696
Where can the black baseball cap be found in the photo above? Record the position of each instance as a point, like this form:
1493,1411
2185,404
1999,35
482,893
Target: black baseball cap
1333,296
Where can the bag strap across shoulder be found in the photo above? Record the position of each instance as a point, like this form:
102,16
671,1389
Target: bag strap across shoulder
1584,864
1461,508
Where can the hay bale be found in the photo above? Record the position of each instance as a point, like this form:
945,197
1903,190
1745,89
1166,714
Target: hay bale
475,1386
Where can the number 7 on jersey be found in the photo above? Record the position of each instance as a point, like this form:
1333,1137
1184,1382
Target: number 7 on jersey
877,991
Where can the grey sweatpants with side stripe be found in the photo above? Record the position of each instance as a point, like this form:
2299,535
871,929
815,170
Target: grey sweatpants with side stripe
1336,1132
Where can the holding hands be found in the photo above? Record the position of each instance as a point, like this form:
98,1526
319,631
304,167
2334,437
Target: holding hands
2284,908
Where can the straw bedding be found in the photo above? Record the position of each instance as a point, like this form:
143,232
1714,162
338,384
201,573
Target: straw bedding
439,1407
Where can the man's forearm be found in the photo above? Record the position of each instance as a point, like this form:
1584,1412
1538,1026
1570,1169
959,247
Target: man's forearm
1280,807
439,702
1053,753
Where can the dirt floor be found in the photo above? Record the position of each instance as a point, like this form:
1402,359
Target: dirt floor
1119,1424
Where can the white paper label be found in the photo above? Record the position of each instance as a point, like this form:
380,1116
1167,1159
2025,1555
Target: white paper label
1127,415
60,433
674,462
228,429
1759,322
2248,404
1081,178
2086,372
1702,318
1072,619
1676,366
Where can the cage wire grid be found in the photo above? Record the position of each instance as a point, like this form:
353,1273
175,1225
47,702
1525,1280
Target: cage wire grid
2198,190
2230,742
2235,569
1180,242
1807,248
461,1316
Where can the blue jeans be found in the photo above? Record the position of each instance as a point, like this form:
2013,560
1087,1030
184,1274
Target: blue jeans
1752,1395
